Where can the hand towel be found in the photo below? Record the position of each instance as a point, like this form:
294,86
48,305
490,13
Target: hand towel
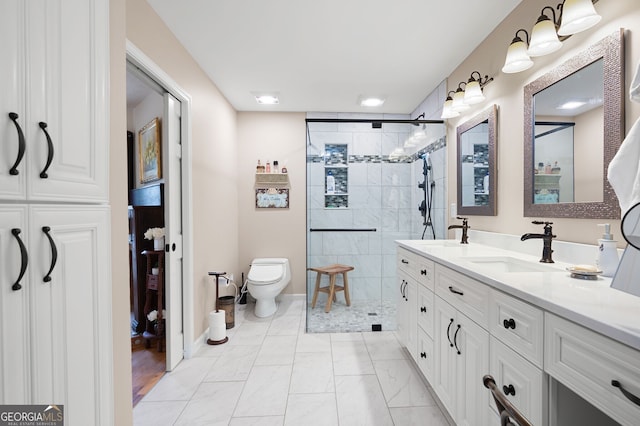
624,169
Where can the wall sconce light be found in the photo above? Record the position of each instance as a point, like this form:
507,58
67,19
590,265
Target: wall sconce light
544,39
473,90
517,57
462,99
577,16
574,16
458,104
447,111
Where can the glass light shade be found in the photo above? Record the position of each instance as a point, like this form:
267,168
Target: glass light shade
517,58
447,111
544,39
577,15
458,104
473,93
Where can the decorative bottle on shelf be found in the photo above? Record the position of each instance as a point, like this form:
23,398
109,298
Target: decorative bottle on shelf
259,167
268,167
331,183
276,168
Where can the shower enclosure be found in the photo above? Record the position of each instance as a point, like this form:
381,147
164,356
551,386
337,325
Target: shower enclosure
369,182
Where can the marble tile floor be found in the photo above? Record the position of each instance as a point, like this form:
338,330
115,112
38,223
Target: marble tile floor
271,372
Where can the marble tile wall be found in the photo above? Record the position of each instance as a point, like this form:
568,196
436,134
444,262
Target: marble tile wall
382,194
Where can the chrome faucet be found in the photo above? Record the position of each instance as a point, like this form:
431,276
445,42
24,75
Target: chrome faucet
547,237
464,227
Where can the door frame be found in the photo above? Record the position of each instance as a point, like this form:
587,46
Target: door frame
149,67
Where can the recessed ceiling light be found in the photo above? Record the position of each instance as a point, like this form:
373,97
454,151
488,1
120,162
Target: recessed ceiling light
371,101
572,105
267,99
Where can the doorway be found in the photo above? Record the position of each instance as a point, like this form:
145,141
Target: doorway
156,202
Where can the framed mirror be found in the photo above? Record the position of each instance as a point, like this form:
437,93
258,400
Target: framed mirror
573,126
477,141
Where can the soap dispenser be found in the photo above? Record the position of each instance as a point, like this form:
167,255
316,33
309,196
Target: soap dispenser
607,259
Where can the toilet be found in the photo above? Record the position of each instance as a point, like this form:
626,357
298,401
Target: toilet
267,278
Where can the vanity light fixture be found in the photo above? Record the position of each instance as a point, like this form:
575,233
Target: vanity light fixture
544,39
517,57
447,111
370,101
473,89
458,104
574,16
577,16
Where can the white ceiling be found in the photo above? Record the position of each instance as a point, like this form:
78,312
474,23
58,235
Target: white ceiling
322,55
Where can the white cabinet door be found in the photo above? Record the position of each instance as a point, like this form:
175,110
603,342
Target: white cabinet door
402,312
71,311
15,386
445,362
471,345
411,301
425,310
58,80
56,328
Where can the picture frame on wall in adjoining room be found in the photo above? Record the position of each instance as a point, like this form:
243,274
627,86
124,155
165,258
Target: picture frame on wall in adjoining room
149,152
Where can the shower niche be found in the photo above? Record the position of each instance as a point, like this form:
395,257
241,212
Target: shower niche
336,176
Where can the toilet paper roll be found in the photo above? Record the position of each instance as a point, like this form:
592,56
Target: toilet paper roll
217,326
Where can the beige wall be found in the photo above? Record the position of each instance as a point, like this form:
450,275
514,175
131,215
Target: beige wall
273,232
507,92
121,321
214,152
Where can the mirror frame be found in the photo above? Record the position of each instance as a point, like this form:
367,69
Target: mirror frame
491,116
611,50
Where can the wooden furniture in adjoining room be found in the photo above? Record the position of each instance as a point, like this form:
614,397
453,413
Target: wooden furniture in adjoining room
154,297
146,210
332,288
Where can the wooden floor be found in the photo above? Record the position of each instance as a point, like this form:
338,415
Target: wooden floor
147,365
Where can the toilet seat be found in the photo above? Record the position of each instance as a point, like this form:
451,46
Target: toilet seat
262,274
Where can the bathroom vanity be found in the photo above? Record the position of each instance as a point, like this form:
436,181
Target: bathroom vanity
557,346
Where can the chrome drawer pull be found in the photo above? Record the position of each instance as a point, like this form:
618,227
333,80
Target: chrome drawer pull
631,397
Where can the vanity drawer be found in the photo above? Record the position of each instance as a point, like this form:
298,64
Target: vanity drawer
587,362
517,324
466,294
425,272
524,382
425,310
425,359
407,262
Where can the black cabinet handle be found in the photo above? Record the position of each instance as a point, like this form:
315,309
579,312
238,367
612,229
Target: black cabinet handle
455,339
23,256
423,354
21,145
453,290
173,247
405,261
509,390
423,272
43,173
448,328
509,323
423,309
54,253
631,397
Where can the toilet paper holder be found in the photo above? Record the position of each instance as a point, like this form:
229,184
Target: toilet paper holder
214,333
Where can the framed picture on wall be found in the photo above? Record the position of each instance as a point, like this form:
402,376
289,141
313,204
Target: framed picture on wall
272,198
149,152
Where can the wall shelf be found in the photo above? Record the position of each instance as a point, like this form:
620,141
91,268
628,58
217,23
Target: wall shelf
267,179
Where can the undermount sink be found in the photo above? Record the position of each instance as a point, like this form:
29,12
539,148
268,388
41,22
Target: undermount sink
510,264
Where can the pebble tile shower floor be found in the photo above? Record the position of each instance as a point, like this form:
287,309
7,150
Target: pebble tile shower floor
272,372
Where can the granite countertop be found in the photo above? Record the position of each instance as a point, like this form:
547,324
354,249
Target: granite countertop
590,303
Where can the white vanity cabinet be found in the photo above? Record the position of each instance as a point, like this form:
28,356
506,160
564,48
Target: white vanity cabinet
53,108
588,363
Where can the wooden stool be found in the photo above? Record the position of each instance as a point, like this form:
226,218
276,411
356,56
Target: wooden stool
332,271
